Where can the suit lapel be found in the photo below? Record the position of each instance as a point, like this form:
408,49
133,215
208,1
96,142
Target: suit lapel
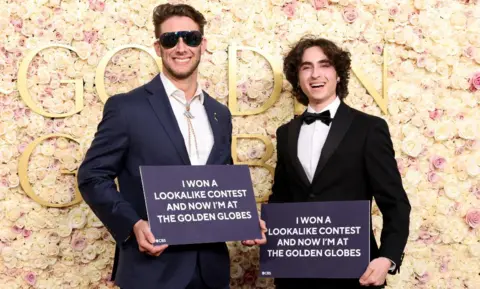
161,106
293,132
340,124
214,124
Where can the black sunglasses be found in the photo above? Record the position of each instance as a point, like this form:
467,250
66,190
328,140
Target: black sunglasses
191,38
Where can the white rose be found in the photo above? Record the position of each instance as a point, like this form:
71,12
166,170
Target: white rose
219,57
444,131
474,249
467,130
472,168
77,218
452,190
412,146
13,213
413,177
64,230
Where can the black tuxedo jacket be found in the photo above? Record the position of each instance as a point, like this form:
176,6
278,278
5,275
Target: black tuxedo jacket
357,162
140,128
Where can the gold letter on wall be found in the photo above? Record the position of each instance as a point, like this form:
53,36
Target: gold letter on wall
23,173
382,102
23,88
100,73
232,80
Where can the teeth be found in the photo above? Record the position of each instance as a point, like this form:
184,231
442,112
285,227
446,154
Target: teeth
182,60
317,85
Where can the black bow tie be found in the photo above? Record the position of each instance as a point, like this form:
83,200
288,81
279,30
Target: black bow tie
324,117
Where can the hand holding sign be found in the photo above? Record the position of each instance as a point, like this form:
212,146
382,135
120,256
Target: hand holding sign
145,239
261,241
376,272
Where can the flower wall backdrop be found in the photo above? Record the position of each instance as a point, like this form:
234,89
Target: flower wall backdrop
433,111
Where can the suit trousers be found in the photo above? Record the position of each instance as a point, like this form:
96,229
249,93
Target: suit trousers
196,281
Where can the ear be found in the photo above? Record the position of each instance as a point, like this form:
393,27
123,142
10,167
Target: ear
203,46
158,48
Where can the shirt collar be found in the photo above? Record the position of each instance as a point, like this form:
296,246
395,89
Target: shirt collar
171,89
333,107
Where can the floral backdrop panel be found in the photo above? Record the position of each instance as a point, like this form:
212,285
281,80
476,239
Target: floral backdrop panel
421,56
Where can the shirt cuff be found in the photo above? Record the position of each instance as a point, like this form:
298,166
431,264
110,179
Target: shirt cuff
392,268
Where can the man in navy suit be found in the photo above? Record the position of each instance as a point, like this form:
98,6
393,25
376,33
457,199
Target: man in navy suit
168,121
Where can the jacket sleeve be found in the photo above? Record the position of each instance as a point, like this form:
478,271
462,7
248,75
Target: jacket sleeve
102,164
388,191
280,186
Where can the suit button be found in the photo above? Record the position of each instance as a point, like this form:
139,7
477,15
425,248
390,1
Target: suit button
311,196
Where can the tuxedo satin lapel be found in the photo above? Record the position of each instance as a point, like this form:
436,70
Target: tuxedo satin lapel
340,124
161,106
215,125
293,132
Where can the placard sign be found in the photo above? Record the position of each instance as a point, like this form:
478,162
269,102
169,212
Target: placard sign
200,204
316,240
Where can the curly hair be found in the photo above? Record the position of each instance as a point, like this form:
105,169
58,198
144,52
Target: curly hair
164,11
339,58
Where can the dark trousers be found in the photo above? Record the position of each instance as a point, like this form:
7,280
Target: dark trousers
196,282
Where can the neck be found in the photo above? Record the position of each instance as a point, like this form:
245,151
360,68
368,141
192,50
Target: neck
187,85
319,104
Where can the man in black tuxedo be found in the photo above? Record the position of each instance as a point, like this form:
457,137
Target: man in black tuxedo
333,152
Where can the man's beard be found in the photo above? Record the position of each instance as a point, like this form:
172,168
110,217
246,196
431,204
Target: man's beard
184,75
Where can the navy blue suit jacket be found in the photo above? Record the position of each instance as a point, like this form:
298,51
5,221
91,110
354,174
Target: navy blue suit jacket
139,128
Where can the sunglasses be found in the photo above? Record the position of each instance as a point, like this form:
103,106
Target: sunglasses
191,38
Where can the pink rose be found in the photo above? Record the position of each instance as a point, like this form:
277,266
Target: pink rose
476,191
471,144
90,36
17,24
444,266
436,114
319,4
31,278
289,9
377,49
432,177
472,218
459,150
249,277
475,82
393,11
58,126
438,162
469,52
96,5
27,233
421,61
350,14
428,132
78,244
58,36
16,229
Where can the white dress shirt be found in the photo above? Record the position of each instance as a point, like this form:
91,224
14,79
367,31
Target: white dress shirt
311,139
200,123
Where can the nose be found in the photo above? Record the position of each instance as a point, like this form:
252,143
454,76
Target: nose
316,72
181,46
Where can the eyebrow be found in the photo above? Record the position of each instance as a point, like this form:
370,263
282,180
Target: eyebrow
323,61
